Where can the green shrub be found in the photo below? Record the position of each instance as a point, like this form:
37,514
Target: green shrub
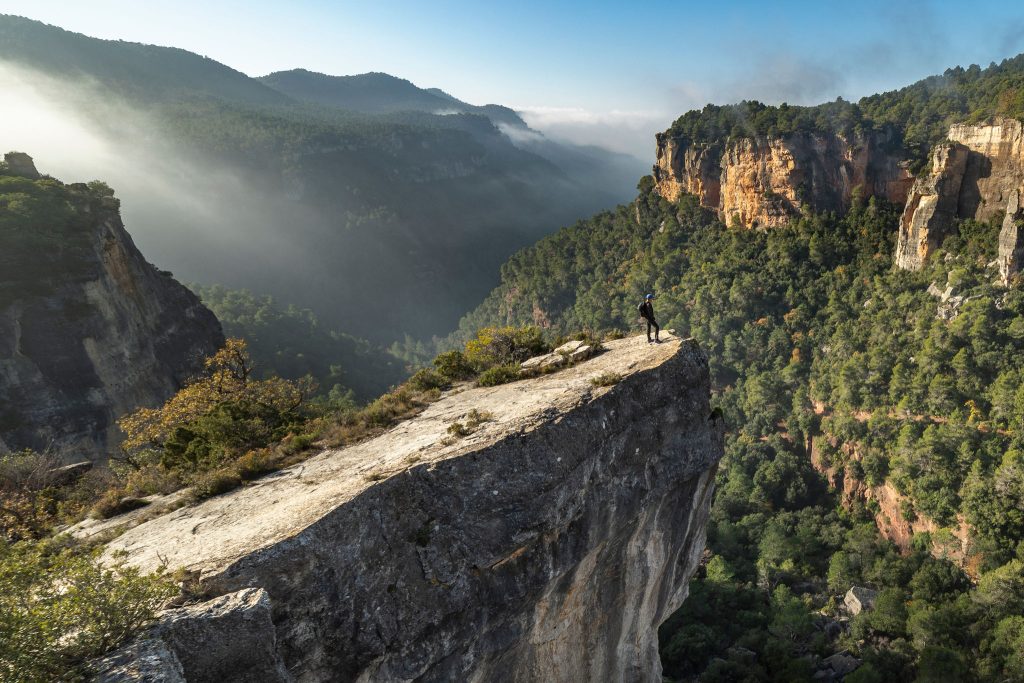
60,608
214,483
502,346
501,374
115,502
454,365
606,379
427,379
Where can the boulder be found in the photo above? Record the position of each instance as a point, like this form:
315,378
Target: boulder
858,599
534,363
841,664
569,347
68,474
555,360
582,353
228,638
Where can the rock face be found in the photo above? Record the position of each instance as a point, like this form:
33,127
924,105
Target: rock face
1011,239
762,181
931,208
88,329
978,174
548,545
858,599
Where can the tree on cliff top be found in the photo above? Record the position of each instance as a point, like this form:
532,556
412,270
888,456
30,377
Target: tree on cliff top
216,417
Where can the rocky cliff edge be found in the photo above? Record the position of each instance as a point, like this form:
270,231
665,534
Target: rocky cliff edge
548,545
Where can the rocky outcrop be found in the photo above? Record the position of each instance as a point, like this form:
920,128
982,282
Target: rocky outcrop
931,208
547,545
21,164
1011,239
762,181
858,599
978,174
88,329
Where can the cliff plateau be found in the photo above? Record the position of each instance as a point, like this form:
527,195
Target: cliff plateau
88,329
547,545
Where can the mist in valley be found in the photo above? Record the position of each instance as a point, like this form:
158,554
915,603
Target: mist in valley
339,228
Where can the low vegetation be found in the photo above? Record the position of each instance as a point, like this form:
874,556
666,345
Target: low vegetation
606,379
60,607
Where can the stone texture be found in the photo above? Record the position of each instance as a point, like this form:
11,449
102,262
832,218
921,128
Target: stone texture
837,667
569,347
1011,239
90,332
554,360
228,638
858,599
990,164
582,353
928,217
762,181
534,363
546,546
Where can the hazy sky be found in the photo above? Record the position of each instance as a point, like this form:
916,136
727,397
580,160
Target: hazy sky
597,71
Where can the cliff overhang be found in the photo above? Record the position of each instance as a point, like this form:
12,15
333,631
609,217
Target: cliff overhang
547,545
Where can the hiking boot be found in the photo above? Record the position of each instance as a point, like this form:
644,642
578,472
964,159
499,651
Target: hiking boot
657,341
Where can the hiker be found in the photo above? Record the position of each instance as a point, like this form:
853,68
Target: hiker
646,309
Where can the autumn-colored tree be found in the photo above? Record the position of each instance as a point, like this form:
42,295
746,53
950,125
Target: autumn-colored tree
215,417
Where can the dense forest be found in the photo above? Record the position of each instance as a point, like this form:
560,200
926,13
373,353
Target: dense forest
292,343
816,340
914,118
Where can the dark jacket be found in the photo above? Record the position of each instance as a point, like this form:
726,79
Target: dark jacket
646,310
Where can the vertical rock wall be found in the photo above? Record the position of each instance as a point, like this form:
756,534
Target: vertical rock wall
88,329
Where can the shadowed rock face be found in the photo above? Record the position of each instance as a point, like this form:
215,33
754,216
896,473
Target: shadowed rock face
978,174
88,329
547,546
1011,239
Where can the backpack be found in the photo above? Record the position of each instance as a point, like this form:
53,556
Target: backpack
642,309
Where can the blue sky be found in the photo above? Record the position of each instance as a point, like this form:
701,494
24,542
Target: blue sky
605,72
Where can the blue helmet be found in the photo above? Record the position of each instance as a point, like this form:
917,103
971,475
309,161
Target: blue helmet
649,296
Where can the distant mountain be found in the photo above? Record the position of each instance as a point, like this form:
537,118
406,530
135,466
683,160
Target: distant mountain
130,69
384,207
378,93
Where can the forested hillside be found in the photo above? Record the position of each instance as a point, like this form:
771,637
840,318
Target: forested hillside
292,343
329,192
814,338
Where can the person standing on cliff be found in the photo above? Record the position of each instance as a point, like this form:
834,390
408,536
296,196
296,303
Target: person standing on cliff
646,309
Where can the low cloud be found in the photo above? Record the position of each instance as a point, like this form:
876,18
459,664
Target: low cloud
623,131
179,207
